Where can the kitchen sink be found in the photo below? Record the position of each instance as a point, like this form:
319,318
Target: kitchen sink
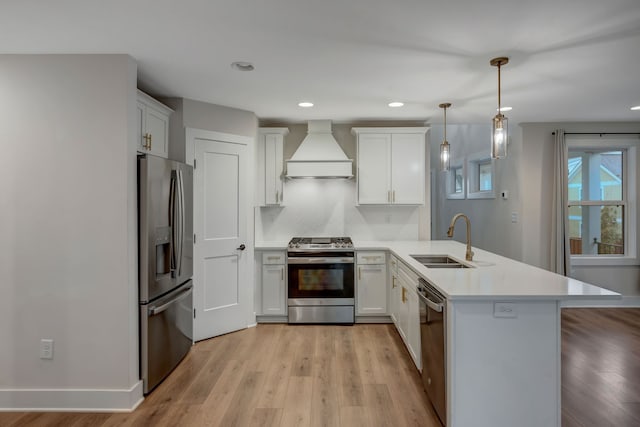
438,261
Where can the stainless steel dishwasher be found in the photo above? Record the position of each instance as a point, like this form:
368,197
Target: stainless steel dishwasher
432,338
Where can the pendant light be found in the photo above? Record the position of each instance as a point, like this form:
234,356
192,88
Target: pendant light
445,147
499,135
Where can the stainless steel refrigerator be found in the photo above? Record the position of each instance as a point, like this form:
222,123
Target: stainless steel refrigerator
165,224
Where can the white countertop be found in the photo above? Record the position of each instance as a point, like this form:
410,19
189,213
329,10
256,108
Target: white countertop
493,276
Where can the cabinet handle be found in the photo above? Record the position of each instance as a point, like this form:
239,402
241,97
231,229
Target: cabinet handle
359,273
393,282
393,199
277,194
282,274
403,297
273,258
150,140
389,196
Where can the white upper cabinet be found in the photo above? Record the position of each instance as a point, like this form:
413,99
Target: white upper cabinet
391,166
271,165
153,126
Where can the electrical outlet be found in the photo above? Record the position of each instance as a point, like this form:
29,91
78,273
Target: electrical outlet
514,217
504,309
46,349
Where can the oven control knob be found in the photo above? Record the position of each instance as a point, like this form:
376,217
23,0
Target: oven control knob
297,245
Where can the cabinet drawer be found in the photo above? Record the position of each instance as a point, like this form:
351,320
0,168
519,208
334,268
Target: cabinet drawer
273,258
371,257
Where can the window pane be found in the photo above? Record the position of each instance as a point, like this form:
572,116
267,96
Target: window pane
485,177
458,180
596,230
595,175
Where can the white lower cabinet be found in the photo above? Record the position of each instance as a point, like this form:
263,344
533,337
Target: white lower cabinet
274,284
408,313
371,283
394,290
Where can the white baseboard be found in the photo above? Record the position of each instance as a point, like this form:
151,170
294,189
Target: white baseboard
71,400
374,319
625,301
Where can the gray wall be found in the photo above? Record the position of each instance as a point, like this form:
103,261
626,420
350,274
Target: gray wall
537,167
68,254
201,115
527,173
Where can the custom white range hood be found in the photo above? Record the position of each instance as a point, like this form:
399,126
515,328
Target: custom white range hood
319,155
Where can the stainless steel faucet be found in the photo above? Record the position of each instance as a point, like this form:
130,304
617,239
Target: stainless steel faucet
469,254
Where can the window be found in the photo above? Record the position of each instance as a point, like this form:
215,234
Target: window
601,193
481,177
455,180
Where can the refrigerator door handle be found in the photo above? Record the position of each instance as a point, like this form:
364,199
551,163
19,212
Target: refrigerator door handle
173,222
157,310
181,198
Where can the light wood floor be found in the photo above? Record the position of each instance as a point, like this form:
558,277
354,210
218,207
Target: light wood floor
278,375
362,376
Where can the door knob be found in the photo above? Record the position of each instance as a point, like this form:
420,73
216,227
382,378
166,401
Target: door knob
241,247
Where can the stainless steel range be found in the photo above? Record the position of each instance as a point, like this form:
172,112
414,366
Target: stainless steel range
321,280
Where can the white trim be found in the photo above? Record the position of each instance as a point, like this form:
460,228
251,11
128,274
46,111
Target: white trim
450,180
629,195
71,400
473,179
625,301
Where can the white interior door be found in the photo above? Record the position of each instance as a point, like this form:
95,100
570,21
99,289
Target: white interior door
222,294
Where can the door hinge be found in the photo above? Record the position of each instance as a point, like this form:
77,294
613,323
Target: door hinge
194,163
194,313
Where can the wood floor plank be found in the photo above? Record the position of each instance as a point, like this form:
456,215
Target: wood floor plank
244,399
354,416
214,409
297,408
325,406
266,417
600,367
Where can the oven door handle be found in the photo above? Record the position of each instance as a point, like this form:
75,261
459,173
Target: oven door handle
312,260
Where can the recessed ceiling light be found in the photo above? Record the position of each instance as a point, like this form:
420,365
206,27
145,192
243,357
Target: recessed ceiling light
396,104
505,109
242,66
305,104
636,108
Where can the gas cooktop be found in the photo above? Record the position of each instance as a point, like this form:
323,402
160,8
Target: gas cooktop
320,243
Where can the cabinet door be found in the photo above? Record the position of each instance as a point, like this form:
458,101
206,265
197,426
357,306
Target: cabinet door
140,127
394,292
157,125
413,335
273,290
403,312
407,169
374,178
273,169
372,289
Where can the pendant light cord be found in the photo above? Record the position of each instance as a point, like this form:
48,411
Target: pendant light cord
499,112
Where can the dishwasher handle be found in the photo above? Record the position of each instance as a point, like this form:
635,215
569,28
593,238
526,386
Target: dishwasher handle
434,305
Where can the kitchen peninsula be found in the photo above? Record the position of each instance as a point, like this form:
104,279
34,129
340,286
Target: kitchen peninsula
502,352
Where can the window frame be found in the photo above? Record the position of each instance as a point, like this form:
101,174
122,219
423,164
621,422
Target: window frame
457,164
629,195
473,176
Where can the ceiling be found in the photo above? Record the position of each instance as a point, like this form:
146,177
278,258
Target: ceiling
569,60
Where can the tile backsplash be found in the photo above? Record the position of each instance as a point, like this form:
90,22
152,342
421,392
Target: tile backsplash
327,207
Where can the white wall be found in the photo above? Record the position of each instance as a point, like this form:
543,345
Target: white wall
68,254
